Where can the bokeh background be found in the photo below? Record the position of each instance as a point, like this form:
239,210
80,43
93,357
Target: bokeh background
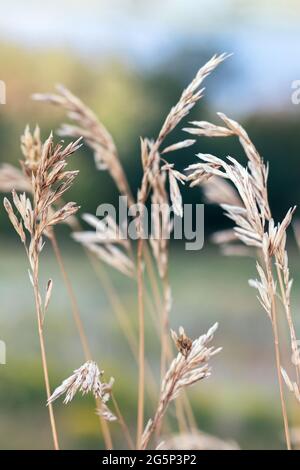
129,60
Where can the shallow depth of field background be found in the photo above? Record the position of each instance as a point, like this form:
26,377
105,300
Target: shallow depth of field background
129,61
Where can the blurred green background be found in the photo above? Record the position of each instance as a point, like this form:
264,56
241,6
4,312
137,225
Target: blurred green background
129,61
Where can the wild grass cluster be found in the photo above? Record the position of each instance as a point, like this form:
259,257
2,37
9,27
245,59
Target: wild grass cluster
39,191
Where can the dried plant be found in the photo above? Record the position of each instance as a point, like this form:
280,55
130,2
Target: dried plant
240,190
106,156
195,440
98,138
162,181
189,367
85,379
12,178
182,342
292,386
31,147
296,228
88,379
187,101
254,226
218,191
153,164
93,132
50,181
107,243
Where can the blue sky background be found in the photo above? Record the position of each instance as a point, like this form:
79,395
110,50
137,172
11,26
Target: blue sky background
264,37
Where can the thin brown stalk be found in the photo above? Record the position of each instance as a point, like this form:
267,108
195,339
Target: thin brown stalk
249,209
73,300
189,367
43,354
287,308
278,358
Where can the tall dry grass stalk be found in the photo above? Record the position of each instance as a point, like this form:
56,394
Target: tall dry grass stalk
99,139
247,205
195,441
50,181
292,386
189,367
89,379
153,166
82,335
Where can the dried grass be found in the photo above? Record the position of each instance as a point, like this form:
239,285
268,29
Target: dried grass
44,174
189,367
50,181
156,173
254,226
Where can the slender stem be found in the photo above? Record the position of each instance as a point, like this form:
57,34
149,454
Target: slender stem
277,355
141,318
160,412
123,320
43,355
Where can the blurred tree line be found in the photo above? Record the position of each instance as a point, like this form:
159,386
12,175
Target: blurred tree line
133,103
